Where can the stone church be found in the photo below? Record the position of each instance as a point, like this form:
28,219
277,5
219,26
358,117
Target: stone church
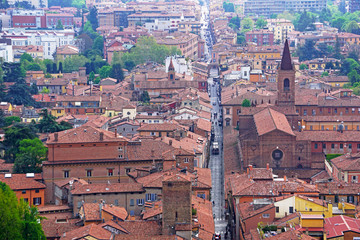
267,133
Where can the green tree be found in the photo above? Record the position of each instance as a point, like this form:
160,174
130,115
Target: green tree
307,51
60,67
303,66
99,44
26,56
228,7
13,72
304,21
235,21
348,65
352,27
354,75
325,74
92,17
129,65
97,80
144,97
339,22
33,67
261,23
59,25
10,120
246,103
19,94
32,153
105,72
45,90
33,89
117,72
2,119
91,77
13,137
337,50
30,222
116,58
74,62
247,23
10,223
48,124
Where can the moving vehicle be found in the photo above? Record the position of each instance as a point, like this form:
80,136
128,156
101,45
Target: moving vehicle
215,148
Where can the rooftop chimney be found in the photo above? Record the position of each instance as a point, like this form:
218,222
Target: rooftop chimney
170,142
115,132
251,167
56,135
267,166
101,136
285,179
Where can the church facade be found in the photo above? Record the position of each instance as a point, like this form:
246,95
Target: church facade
267,134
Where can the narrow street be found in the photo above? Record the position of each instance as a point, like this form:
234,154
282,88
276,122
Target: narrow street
216,163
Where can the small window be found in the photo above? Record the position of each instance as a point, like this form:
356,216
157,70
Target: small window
120,156
310,209
311,128
37,201
341,146
131,202
120,148
140,202
324,145
350,146
110,172
23,191
66,174
128,170
277,209
132,213
186,160
316,146
332,146
37,190
116,202
266,215
291,209
88,173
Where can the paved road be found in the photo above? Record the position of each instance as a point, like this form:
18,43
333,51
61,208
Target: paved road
216,163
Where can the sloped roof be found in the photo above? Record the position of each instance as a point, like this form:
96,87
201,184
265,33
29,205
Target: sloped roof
336,226
269,120
286,58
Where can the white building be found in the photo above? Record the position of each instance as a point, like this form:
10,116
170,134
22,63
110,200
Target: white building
179,63
6,52
50,40
35,3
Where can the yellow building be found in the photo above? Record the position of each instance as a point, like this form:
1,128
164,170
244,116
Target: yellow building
321,123
313,206
266,52
311,221
280,28
58,112
336,81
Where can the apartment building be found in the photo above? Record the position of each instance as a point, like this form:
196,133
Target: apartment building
159,21
260,37
23,18
280,28
187,43
267,7
35,3
48,39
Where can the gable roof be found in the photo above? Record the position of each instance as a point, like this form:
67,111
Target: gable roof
21,182
92,230
269,120
336,226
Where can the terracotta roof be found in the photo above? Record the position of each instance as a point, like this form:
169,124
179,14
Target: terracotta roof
269,120
5,167
291,234
21,182
160,127
154,211
328,136
140,228
331,188
89,231
84,134
203,124
115,225
338,225
103,188
54,228
116,211
205,217
347,162
248,210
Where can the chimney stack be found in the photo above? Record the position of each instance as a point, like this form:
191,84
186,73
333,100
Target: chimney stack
251,167
115,132
56,135
285,179
170,142
101,136
267,166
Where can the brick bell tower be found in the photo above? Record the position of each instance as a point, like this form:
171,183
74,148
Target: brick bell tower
286,80
171,71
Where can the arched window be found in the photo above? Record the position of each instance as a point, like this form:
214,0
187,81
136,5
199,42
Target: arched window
171,77
286,84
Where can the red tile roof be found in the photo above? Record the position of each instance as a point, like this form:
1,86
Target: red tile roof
347,162
90,231
336,226
328,136
21,182
96,188
248,210
291,235
269,120
157,127
84,134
